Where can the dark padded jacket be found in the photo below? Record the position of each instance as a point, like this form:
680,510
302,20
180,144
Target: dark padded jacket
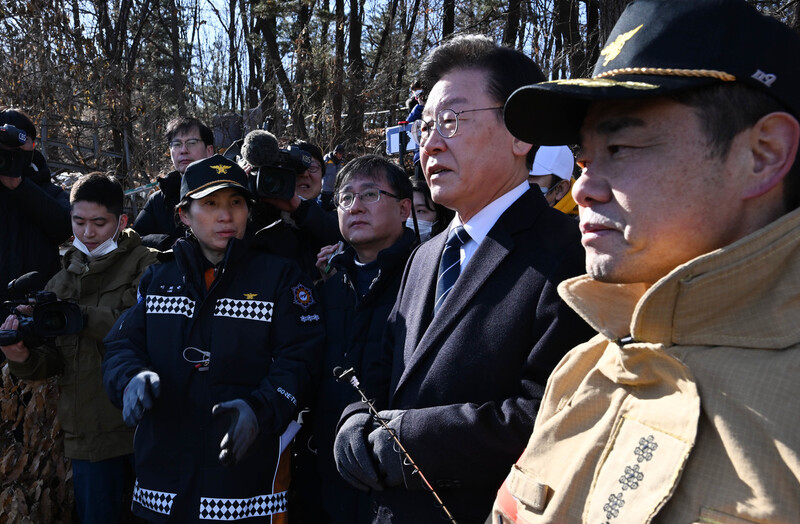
309,229
156,223
355,327
34,221
260,323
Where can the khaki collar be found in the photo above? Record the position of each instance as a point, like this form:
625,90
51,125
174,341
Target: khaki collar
745,295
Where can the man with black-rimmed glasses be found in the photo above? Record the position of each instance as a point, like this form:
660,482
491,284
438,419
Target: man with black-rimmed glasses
477,326
188,140
373,200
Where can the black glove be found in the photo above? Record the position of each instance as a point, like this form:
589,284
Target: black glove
241,433
353,454
139,395
390,459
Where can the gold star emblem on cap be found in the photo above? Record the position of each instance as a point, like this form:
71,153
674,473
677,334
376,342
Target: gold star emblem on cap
612,50
221,169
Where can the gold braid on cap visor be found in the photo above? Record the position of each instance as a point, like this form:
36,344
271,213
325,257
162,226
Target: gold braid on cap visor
661,71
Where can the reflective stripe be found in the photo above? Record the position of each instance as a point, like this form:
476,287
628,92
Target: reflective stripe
158,501
237,509
247,309
170,305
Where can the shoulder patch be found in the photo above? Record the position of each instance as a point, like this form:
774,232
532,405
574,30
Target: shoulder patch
303,297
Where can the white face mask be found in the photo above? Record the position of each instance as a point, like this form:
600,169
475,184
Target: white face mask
103,249
424,228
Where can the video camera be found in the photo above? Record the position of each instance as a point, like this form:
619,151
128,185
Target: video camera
12,161
51,317
275,170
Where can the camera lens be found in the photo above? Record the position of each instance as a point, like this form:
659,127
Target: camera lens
53,321
275,182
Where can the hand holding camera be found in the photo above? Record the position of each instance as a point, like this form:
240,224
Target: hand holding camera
39,317
16,352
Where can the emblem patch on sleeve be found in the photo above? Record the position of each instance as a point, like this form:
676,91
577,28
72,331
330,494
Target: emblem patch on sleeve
302,297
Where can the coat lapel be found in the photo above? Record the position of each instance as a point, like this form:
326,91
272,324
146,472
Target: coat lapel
423,289
497,245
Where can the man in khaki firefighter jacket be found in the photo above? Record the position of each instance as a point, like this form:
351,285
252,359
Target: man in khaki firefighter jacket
684,407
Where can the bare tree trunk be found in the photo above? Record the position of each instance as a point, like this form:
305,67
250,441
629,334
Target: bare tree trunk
178,71
384,34
266,27
448,17
560,28
576,50
592,34
234,79
338,72
318,69
76,23
401,71
610,10
251,91
354,124
512,24
303,54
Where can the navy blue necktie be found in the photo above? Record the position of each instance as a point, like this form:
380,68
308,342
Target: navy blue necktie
450,264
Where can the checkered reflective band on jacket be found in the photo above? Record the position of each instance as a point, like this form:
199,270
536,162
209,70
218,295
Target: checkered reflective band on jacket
236,509
170,305
247,309
158,501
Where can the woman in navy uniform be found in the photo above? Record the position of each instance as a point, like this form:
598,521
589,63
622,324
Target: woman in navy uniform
212,362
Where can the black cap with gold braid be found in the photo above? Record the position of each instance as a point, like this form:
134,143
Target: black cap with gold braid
663,46
205,176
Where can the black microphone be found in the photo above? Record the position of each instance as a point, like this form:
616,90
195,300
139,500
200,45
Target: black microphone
27,283
260,148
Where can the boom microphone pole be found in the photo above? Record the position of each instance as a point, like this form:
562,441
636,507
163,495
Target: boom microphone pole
349,376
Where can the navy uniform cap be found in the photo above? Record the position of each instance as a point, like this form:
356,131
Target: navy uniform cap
659,47
205,176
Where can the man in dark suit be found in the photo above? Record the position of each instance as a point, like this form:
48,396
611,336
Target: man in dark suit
465,366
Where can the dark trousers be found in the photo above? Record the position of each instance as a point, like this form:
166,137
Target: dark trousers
103,489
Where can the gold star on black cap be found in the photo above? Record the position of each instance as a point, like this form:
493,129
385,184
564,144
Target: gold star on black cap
203,177
659,47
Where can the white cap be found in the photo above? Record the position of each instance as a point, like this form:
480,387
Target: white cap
553,160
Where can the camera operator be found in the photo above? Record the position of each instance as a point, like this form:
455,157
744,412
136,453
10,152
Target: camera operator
35,212
101,272
298,227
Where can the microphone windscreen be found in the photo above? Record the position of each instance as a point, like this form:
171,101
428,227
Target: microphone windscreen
27,283
260,148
